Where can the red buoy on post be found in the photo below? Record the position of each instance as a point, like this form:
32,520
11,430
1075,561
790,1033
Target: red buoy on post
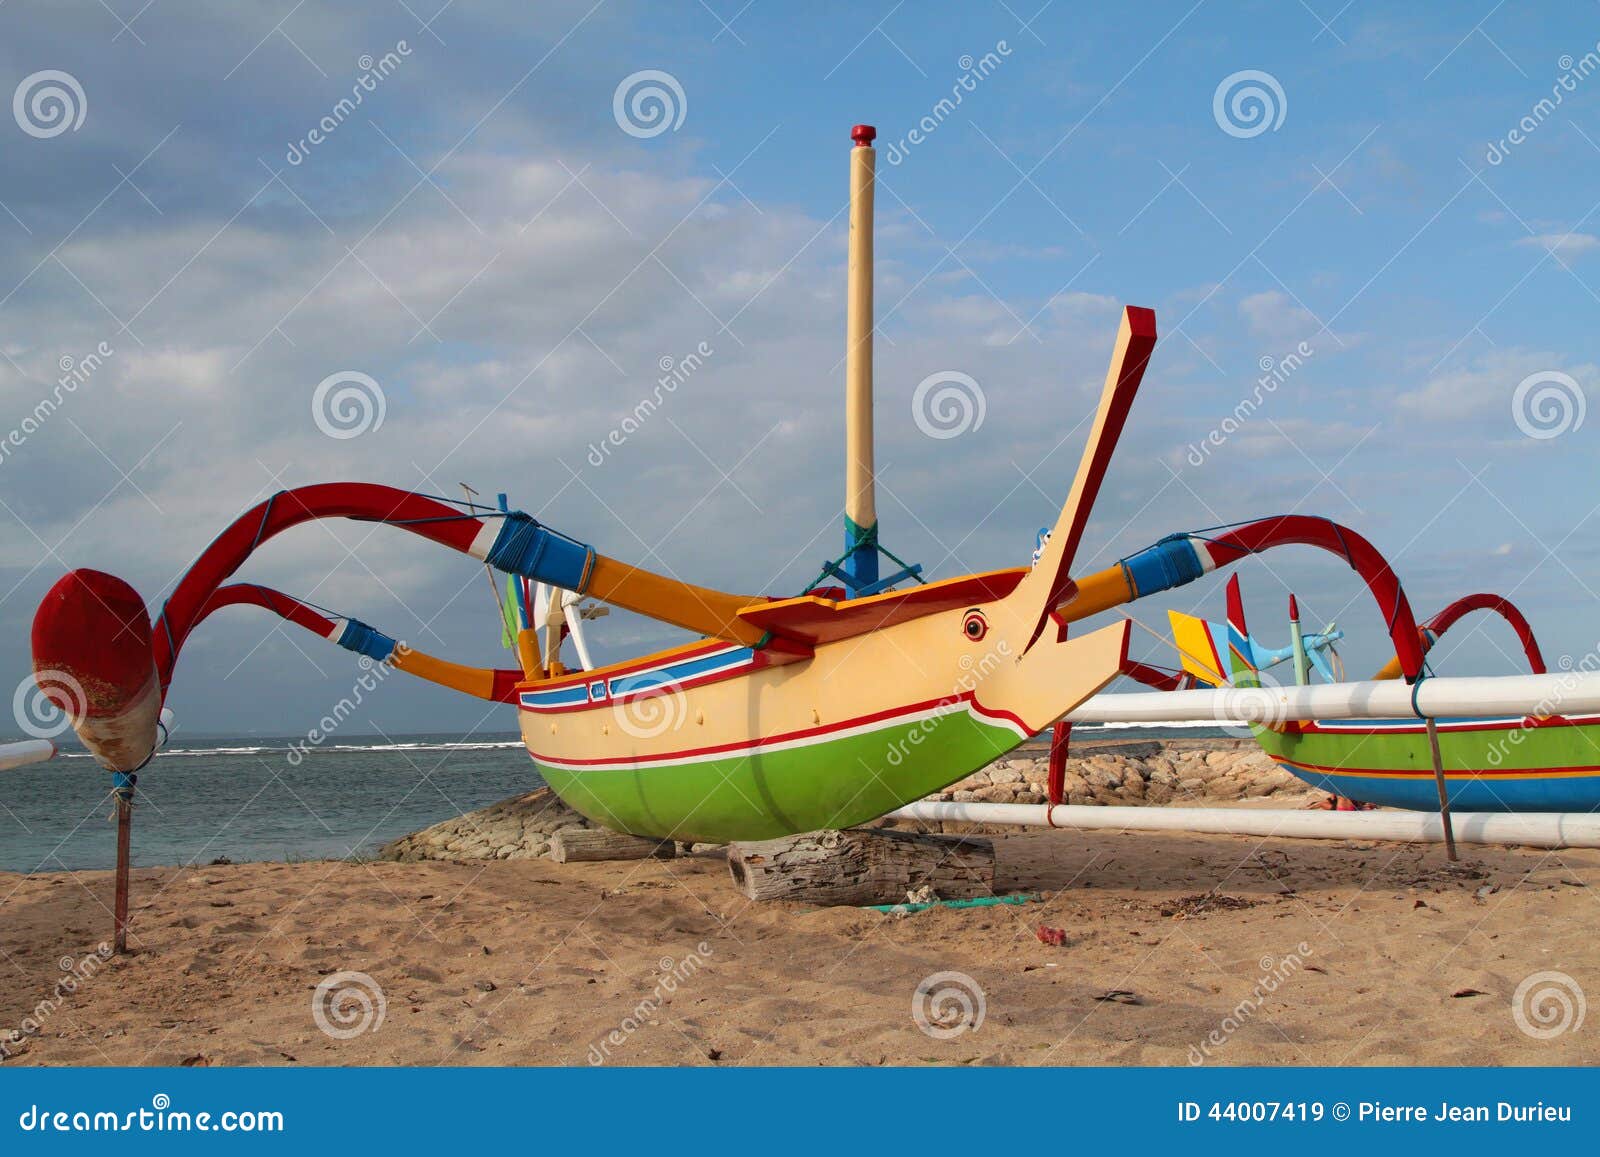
94,659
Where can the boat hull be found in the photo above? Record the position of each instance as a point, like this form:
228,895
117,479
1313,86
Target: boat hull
716,743
830,778
1491,764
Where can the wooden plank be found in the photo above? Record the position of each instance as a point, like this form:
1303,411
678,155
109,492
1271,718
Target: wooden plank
587,844
860,866
818,620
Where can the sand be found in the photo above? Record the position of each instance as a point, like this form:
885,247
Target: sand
1177,949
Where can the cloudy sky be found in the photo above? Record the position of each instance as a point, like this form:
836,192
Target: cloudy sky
511,247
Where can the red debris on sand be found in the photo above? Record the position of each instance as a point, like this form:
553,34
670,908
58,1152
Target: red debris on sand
1055,937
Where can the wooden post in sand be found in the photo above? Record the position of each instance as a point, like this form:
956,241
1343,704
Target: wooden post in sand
123,792
862,866
1444,795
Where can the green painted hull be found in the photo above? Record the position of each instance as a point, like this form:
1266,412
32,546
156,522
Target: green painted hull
1490,765
829,783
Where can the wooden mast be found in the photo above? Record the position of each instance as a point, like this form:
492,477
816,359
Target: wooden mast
860,504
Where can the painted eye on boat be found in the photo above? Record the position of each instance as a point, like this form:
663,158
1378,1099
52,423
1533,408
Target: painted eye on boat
975,626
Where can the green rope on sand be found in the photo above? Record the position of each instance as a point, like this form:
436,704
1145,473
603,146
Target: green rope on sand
979,902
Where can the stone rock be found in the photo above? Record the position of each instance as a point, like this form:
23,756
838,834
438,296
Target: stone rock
513,829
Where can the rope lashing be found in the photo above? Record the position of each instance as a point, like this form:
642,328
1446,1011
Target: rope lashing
366,640
528,548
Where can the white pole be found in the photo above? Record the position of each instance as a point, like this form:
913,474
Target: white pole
25,751
860,493
575,627
1532,829
1556,693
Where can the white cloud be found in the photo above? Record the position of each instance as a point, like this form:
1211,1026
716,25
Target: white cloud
1275,317
1563,244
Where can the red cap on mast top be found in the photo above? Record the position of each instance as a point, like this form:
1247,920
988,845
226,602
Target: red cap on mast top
863,135
1294,609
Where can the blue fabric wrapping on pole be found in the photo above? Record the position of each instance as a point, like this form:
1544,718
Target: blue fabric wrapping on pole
527,548
365,640
861,554
1169,563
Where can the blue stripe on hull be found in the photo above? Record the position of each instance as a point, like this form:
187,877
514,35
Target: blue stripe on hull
1570,793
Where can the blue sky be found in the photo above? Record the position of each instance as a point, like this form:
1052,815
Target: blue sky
483,238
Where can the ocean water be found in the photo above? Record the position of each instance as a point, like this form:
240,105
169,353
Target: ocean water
240,797
203,798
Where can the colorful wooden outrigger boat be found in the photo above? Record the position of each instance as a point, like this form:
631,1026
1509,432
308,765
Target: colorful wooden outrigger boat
1542,760
786,714
789,714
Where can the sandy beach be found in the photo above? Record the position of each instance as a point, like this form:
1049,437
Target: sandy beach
1177,950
